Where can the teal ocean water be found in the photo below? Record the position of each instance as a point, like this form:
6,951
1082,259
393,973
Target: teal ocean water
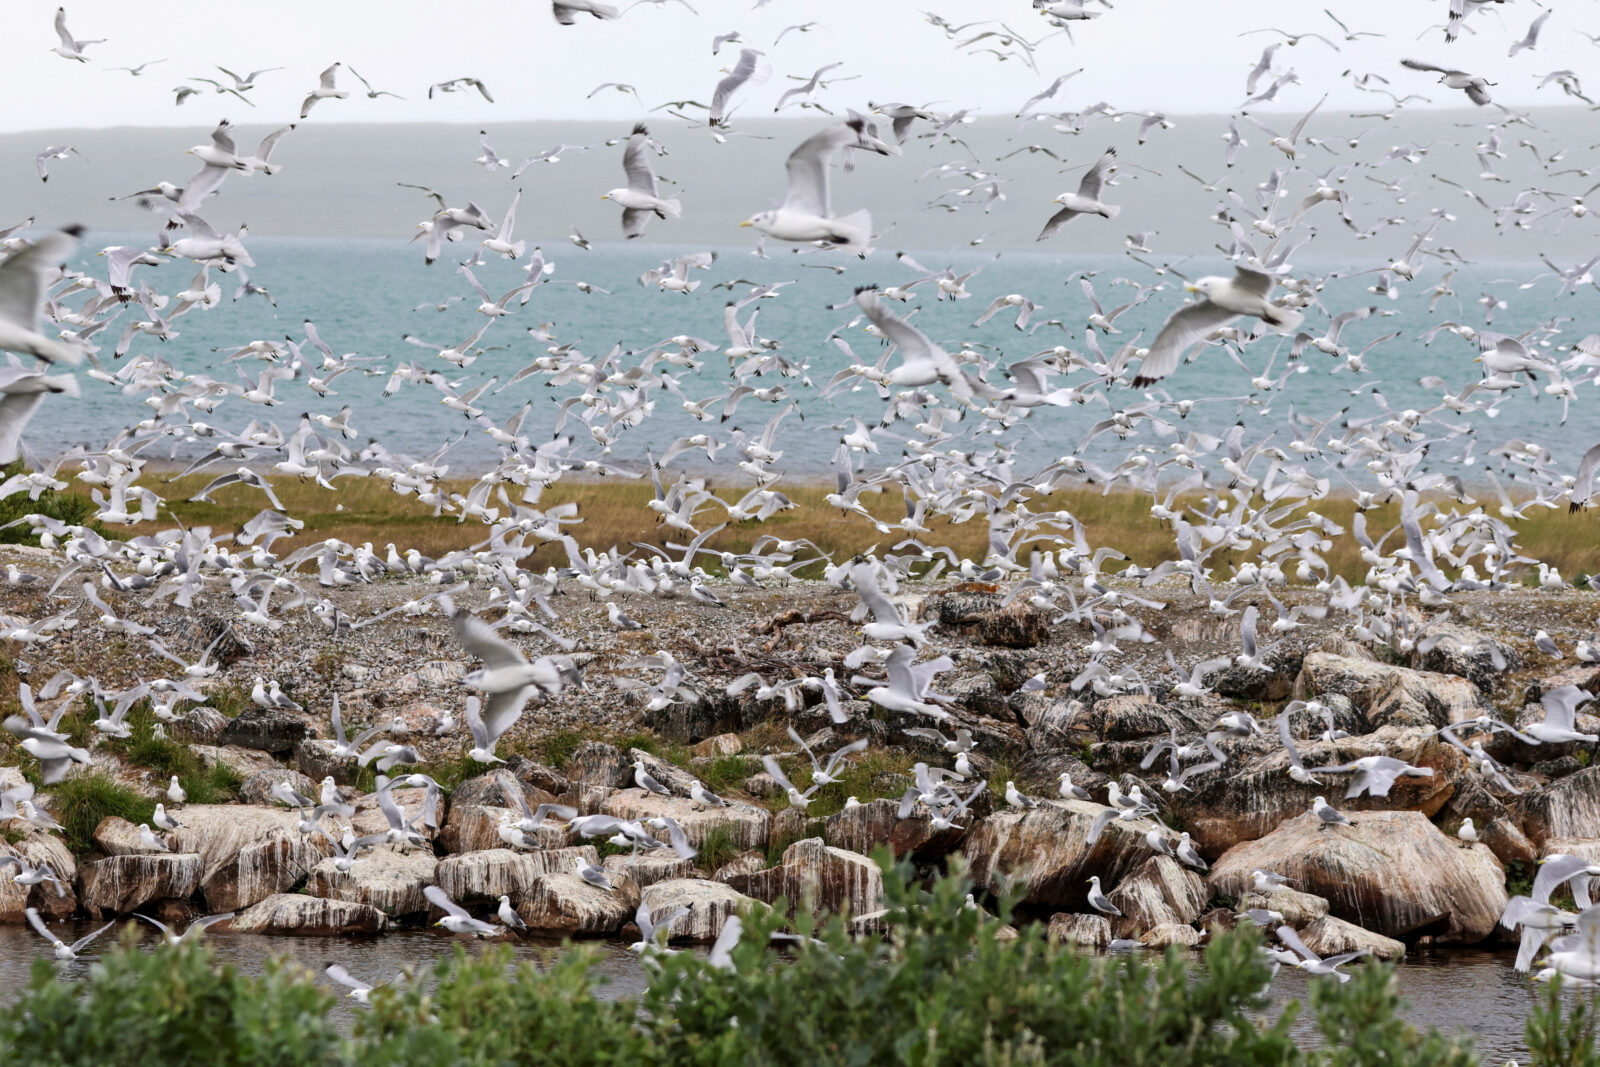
361,293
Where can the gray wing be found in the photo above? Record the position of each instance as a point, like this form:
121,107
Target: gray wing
776,773
476,637
1090,186
1553,872
1188,325
636,162
1417,64
807,168
1287,935
442,901
634,220
83,942
1252,281
22,276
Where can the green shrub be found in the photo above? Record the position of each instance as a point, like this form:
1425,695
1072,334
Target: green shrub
165,757
1563,1036
717,848
557,749
71,508
82,800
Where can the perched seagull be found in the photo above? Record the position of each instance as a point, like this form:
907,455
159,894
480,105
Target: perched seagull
644,780
1326,812
1098,900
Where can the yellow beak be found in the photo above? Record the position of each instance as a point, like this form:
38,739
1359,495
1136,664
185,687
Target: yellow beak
746,222
1189,287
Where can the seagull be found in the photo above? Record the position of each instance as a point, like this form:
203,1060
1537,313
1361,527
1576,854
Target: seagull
69,48
654,931
1098,900
455,918
646,781
595,876
807,214
639,199
323,91
1310,962
1375,775
31,876
1222,301
752,68
197,926
820,774
508,916
64,951
1325,811
1086,201
566,12
485,734
1475,86
55,755
22,290
1560,716
60,151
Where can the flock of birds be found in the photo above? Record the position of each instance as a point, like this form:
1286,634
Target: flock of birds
1249,493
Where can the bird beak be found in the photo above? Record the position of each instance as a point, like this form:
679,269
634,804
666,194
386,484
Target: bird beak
746,222
1189,287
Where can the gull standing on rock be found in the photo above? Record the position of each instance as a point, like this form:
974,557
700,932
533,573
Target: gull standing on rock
1327,813
646,781
1098,900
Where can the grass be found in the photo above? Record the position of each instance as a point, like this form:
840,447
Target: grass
556,750
82,801
165,757
872,775
667,751
613,514
718,848
72,507
726,772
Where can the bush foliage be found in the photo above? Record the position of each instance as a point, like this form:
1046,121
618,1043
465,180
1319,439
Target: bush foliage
941,989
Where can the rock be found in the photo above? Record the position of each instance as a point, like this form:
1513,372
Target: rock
1161,891
745,826
198,631
241,761
818,877
982,615
38,849
720,745
1046,852
122,884
1274,680
597,763
1061,724
369,817
1298,909
1329,936
314,758
670,775
1464,654
1171,934
475,879
247,853
1568,808
476,806
267,730
1132,716
714,713
257,786
293,913
1497,826
565,903
1251,796
1392,872
1071,928
385,878
116,836
745,863
647,868
709,903
877,822
1389,695
977,694
200,726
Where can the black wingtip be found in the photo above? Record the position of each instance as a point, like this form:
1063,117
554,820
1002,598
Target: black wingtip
74,229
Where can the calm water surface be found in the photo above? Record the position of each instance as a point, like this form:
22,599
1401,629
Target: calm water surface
1463,991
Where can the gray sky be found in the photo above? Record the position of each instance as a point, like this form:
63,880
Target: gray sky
1182,56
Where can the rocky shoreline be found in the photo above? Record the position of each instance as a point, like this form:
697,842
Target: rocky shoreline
1397,877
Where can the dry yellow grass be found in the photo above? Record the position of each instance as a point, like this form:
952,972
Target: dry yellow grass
614,515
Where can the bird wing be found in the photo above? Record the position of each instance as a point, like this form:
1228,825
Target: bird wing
345,978
807,168
1189,324
476,637
1417,64
1253,281
83,942
1287,935
839,754
1553,872
442,901
636,162
1090,186
22,276
776,773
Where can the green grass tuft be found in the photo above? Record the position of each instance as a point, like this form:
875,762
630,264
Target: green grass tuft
82,801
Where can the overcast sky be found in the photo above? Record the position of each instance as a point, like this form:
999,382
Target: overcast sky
1182,56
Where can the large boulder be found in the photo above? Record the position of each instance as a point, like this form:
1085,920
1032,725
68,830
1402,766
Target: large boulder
387,878
1046,852
709,903
1331,936
1566,808
744,825
597,763
1389,695
369,817
983,616
272,730
1250,797
1497,826
1465,652
877,822
248,853
1298,909
294,913
473,879
566,904
116,836
257,787
477,805
1161,891
1075,928
1392,872
122,884
817,877
198,726
314,758
39,850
